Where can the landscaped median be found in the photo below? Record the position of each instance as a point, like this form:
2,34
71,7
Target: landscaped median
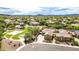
12,38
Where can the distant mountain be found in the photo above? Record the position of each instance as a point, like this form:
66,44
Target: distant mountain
73,14
5,15
40,11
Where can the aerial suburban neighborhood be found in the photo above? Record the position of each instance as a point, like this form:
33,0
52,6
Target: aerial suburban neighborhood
18,31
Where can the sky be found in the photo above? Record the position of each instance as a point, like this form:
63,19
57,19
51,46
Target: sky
24,4
33,5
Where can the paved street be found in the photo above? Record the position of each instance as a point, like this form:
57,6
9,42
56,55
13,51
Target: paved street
47,47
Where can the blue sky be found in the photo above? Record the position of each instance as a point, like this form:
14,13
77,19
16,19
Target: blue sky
34,6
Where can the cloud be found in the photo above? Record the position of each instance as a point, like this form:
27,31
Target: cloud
8,11
40,10
33,7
